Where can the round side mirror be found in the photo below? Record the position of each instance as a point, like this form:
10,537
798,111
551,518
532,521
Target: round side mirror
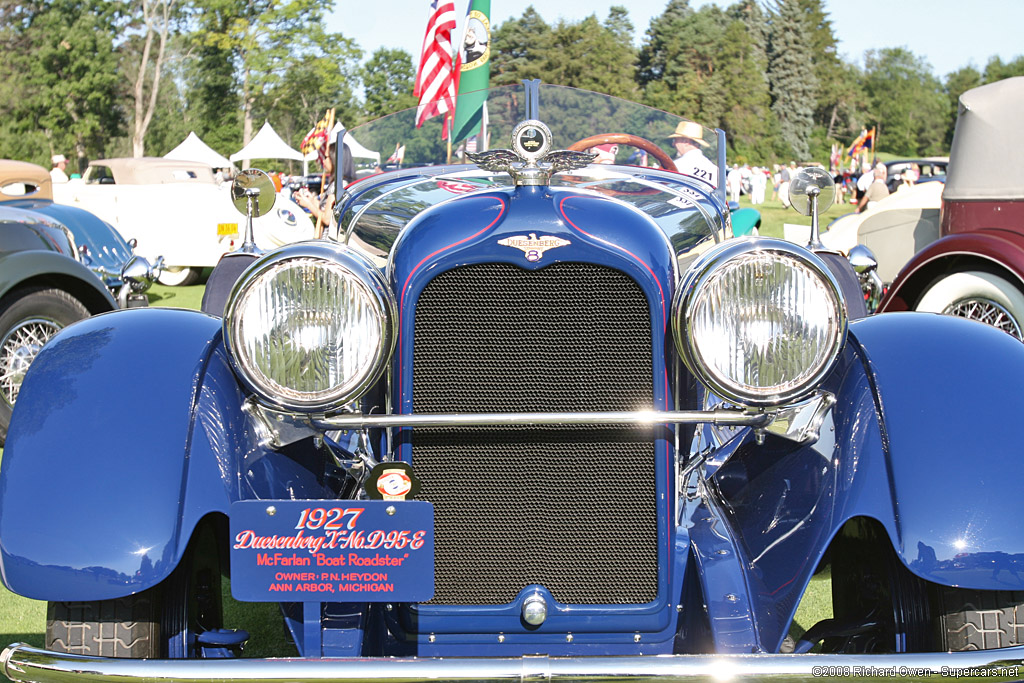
252,187
810,182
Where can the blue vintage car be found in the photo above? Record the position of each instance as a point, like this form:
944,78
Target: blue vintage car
524,418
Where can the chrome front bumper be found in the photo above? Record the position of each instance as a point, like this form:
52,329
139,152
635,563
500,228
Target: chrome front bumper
24,663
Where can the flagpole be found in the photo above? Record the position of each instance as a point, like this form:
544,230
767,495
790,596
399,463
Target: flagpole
449,124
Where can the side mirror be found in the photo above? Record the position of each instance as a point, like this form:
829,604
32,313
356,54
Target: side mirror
253,194
811,192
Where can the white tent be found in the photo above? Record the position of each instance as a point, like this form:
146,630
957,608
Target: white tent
194,149
267,144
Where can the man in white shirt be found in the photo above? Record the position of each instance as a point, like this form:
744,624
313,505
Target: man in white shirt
688,140
57,173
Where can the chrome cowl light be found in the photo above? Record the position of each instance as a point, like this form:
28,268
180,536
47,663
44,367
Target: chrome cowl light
309,327
760,321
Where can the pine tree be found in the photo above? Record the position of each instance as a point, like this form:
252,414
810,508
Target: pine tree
791,76
518,48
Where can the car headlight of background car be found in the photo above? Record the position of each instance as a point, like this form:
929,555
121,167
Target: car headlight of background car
761,321
310,327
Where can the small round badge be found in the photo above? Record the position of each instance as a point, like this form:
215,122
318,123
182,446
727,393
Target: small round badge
531,140
392,481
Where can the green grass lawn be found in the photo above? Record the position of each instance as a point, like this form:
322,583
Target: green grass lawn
774,215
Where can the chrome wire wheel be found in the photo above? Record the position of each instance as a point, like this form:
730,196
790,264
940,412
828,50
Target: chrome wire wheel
978,295
985,311
19,348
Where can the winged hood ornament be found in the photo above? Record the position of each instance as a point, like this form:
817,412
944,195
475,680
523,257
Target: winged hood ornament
529,162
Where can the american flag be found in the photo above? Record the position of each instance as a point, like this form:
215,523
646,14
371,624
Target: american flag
435,80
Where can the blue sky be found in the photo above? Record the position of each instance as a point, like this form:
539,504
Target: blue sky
947,33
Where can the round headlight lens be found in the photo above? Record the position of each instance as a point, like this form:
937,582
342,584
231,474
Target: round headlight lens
760,321
310,328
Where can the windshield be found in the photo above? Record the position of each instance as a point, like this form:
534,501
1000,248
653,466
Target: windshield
688,203
571,114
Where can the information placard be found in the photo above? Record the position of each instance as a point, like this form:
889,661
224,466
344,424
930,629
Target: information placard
325,551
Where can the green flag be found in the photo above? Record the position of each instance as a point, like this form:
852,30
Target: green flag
474,70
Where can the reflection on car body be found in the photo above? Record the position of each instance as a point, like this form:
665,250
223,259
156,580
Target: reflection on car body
526,417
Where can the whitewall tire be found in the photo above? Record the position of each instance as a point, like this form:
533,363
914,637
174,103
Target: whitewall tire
179,277
980,296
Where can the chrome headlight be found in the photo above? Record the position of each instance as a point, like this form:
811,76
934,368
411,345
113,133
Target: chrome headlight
760,321
310,327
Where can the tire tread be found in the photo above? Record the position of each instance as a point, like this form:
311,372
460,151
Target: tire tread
124,627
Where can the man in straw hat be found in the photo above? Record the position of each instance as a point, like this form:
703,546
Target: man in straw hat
688,140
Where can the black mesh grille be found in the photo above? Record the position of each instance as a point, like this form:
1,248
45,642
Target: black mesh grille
572,509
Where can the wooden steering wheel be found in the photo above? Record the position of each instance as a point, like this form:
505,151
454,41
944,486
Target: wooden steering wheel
626,139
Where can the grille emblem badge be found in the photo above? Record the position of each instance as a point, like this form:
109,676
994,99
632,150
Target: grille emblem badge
533,246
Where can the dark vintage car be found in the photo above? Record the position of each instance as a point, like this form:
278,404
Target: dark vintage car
50,258
527,418
921,170
976,267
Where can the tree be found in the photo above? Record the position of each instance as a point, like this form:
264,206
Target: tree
211,84
63,73
518,48
747,118
791,76
957,83
677,62
996,70
156,17
319,76
388,81
907,102
265,39
589,55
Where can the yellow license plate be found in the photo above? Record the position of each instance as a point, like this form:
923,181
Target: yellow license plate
227,229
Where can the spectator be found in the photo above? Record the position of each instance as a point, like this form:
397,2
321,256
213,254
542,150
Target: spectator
876,191
758,184
734,183
321,206
57,174
864,181
785,176
688,139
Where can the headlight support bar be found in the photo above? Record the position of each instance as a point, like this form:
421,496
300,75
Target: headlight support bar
722,416
799,422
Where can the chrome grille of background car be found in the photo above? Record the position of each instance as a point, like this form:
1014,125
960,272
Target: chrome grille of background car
572,509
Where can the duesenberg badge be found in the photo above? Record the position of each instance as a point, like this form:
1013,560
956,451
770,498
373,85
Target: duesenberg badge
533,246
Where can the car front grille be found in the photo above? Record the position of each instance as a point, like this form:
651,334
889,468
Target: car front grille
569,508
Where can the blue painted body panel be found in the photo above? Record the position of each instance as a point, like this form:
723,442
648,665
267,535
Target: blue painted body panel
119,473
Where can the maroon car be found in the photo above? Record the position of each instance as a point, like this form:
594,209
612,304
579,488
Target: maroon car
976,268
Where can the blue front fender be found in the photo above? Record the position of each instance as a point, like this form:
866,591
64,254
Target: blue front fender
923,439
950,391
121,440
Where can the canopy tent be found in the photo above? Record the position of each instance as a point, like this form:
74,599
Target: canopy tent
194,149
267,144
357,150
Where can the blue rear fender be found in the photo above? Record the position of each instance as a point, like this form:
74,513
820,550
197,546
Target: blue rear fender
124,436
